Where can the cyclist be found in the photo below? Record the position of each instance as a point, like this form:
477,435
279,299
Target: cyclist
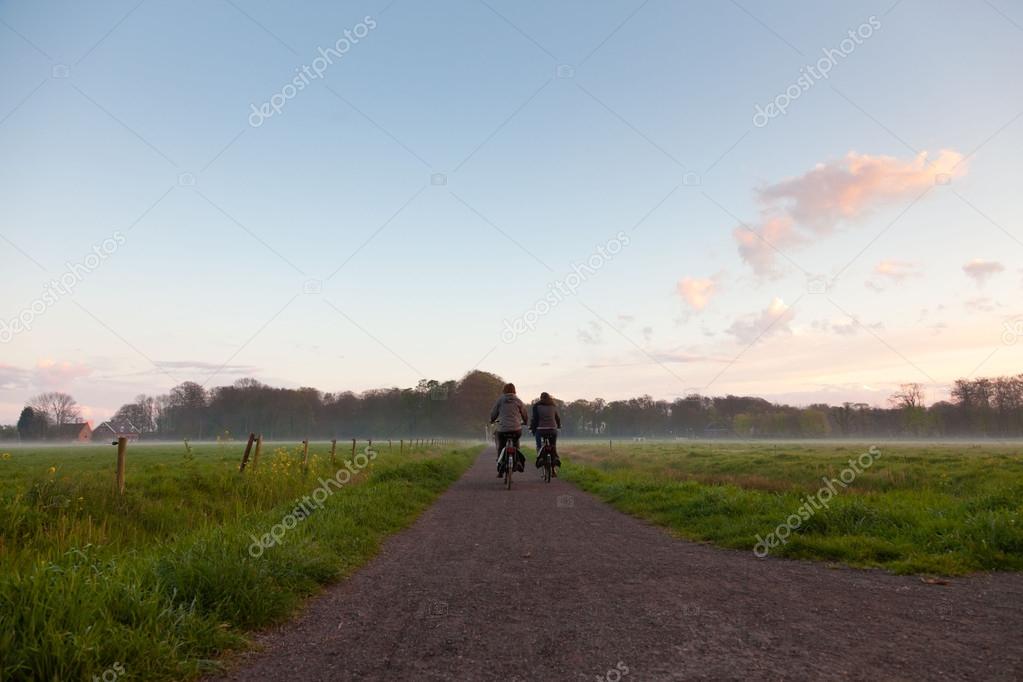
510,415
545,424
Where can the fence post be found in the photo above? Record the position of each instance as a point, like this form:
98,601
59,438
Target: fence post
609,447
122,446
259,448
305,455
353,449
401,447
333,452
248,449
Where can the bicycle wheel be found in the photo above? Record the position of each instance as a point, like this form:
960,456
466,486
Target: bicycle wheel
508,466
547,468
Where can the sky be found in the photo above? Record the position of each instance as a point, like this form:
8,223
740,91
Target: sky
807,201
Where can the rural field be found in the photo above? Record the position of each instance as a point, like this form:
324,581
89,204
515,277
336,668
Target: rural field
164,578
943,508
168,577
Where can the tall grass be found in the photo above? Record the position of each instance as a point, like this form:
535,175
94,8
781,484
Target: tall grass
947,509
161,581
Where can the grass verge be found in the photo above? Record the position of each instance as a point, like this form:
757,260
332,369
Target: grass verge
166,608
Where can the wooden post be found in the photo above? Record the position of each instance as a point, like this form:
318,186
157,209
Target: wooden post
122,446
305,455
259,448
248,449
388,443
401,447
333,452
353,449
609,448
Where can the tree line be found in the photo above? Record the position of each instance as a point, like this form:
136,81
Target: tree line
985,407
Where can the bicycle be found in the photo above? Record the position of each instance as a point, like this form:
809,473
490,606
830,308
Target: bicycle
508,456
546,456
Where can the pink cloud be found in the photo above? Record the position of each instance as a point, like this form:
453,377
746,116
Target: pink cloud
697,292
844,190
51,374
848,188
759,247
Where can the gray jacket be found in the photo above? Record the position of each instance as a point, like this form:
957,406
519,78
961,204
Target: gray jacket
509,412
545,416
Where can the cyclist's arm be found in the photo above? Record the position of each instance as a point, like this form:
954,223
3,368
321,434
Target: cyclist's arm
522,413
494,412
557,418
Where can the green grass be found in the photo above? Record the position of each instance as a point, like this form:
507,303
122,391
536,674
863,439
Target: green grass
944,509
162,580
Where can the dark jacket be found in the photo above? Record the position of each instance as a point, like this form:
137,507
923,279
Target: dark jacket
545,416
509,412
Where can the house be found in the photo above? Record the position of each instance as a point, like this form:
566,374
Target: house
74,433
112,430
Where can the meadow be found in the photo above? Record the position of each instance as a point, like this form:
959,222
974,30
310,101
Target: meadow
163,579
929,508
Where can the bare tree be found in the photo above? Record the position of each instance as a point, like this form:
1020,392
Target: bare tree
60,408
908,396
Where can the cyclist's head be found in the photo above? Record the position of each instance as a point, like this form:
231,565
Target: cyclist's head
509,388
545,396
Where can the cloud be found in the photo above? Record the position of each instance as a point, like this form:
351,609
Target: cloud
697,291
845,190
981,304
979,270
52,374
848,188
759,245
648,334
592,334
896,270
772,320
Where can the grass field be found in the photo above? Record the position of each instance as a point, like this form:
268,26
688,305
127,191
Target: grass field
163,579
918,508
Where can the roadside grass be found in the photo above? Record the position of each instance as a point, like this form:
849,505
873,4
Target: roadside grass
162,580
947,509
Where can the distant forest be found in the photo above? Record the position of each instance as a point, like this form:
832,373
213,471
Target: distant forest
978,408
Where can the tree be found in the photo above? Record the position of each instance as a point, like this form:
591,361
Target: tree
32,425
908,396
59,408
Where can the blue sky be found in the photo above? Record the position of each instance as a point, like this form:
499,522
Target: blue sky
462,156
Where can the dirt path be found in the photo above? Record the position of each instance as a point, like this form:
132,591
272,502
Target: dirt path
546,583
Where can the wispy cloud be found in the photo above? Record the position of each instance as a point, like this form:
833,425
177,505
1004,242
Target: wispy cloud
845,190
979,270
772,320
592,334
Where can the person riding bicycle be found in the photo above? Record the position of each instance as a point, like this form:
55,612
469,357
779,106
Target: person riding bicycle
510,415
545,424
